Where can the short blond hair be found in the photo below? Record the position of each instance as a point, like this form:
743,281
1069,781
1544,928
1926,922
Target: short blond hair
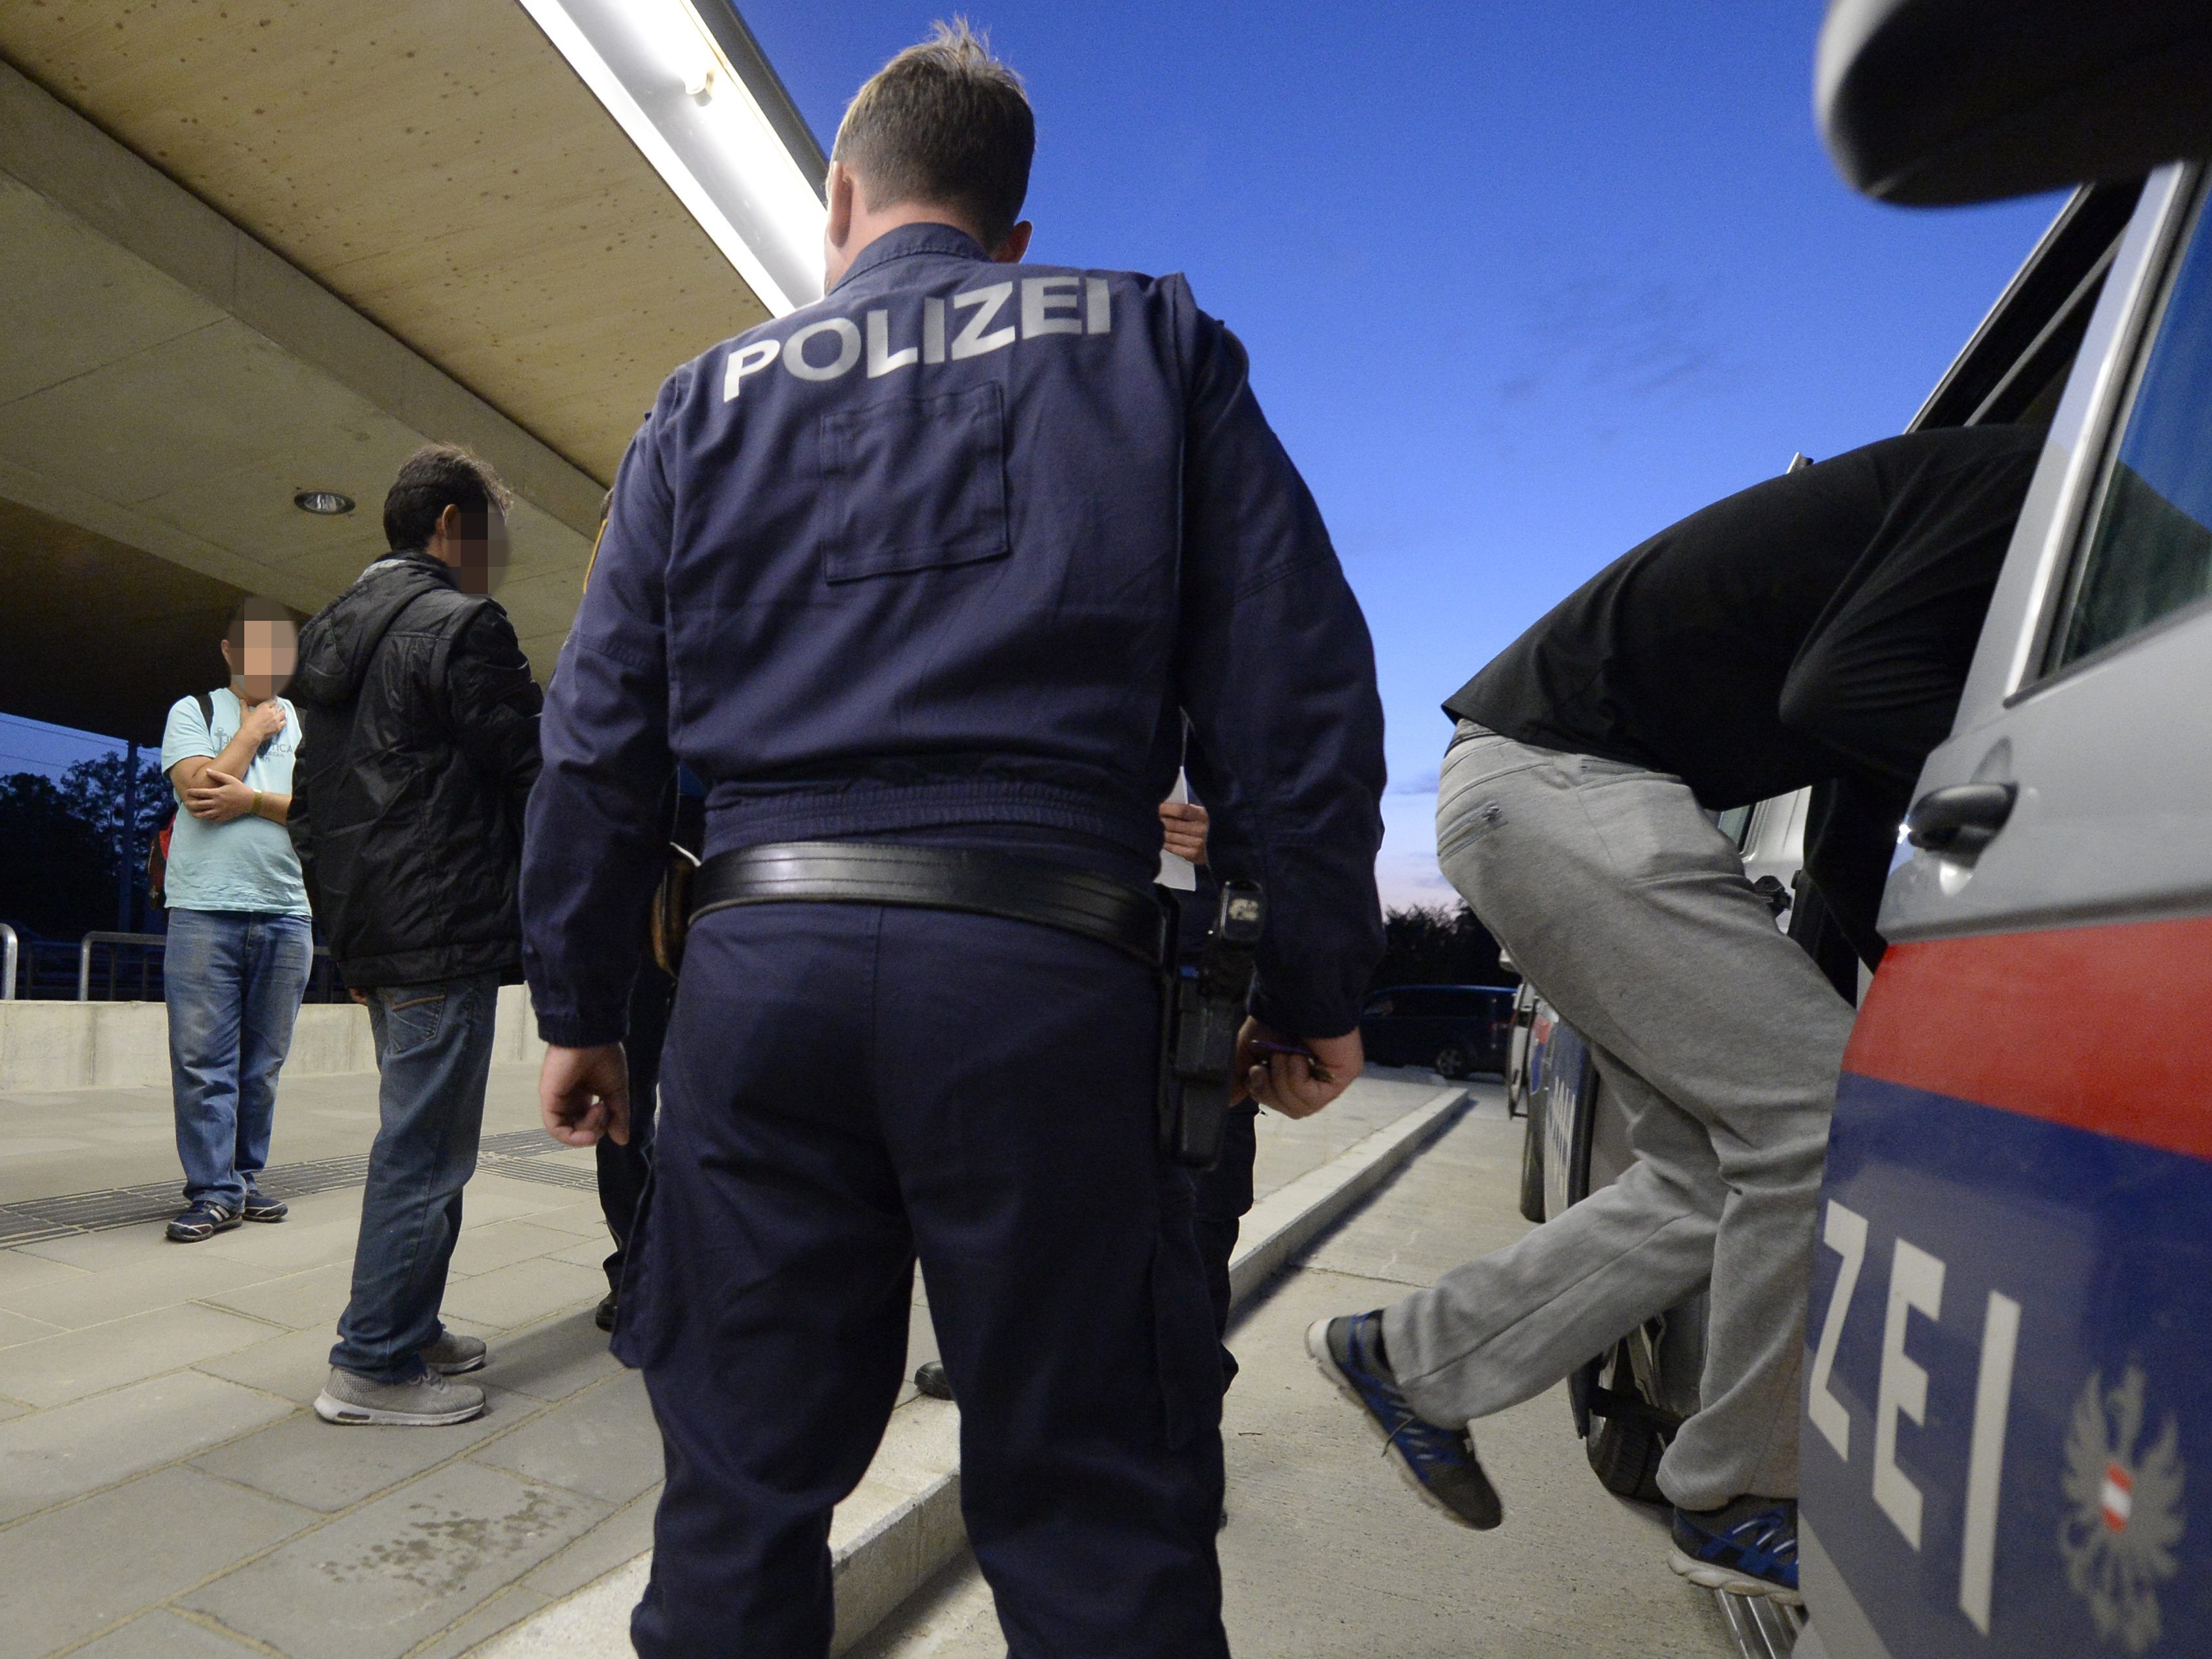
943,121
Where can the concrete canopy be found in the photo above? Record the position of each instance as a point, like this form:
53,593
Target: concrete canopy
250,250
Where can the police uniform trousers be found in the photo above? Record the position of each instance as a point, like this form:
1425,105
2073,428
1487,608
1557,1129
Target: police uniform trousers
848,1088
1720,1041
1220,1198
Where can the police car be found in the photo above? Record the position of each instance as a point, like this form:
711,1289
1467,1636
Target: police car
2006,1445
2011,1302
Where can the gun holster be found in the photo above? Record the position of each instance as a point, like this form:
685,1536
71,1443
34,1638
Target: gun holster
1201,1010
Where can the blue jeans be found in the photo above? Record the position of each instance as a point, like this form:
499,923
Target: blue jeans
434,1049
235,981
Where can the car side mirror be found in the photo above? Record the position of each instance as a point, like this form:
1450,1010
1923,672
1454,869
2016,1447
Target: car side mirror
1933,102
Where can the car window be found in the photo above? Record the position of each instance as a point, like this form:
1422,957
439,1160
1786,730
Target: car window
2150,552
1380,1008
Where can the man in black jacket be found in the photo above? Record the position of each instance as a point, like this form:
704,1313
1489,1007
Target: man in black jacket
420,747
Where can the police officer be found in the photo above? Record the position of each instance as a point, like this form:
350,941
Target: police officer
923,580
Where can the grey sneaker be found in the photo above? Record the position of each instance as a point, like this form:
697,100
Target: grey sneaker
429,1402
454,1353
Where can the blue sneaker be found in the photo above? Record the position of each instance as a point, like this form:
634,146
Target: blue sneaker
1748,1547
1437,1462
203,1220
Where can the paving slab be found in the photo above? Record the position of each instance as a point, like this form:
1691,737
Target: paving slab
50,1457
602,1441
315,1240
163,1634
491,1196
21,1269
301,1301
292,1366
327,1468
525,1292
56,1370
1431,1226
98,1138
374,1583
580,1216
505,1243
16,1328
509,1606
178,1274
553,1360
585,1250
116,1246
182,1526
622,1537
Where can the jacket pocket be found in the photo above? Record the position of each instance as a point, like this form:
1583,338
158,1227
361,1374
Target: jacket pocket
913,483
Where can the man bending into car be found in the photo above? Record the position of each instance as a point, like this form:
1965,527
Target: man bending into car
1815,629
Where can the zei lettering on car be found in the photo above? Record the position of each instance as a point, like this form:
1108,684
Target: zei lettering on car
2010,1292
972,323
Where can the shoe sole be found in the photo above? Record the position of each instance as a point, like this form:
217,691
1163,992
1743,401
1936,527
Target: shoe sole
1730,1582
461,1368
344,1412
1317,1345
266,1219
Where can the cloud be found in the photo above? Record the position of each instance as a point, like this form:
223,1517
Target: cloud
1421,783
1617,337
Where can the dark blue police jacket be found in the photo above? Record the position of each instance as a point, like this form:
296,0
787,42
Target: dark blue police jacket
958,546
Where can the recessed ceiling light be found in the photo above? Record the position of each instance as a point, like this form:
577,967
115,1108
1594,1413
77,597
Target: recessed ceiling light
324,503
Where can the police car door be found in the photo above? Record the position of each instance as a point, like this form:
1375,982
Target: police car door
2007,1447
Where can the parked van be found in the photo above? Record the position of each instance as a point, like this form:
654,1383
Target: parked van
1456,1030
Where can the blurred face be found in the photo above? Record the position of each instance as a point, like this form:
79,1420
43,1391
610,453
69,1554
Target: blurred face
262,659
475,545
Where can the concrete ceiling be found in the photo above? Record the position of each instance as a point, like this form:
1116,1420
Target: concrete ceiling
435,164
95,627
248,249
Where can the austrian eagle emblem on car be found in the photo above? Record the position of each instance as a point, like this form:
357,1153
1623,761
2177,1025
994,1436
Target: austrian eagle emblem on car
2125,1513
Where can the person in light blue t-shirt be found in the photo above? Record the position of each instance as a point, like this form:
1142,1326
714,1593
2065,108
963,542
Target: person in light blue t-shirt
240,939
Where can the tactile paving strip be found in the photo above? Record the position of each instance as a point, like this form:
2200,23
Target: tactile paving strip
514,1154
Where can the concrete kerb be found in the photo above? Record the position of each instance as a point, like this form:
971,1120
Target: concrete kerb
903,1526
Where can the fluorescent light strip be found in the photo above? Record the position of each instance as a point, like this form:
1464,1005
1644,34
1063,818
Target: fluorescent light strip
718,153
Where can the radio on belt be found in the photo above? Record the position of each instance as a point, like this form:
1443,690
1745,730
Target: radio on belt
1205,1010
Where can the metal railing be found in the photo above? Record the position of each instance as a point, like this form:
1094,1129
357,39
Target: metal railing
9,947
145,962
322,982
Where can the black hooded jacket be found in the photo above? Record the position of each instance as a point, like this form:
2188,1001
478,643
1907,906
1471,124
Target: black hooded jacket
419,745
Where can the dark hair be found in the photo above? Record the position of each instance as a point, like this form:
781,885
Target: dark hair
254,607
432,479
943,121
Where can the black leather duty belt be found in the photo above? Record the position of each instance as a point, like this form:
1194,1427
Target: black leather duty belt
936,878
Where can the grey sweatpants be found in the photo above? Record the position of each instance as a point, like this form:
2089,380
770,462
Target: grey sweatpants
1720,1041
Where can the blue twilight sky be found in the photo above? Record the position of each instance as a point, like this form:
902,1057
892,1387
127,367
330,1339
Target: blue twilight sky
1523,280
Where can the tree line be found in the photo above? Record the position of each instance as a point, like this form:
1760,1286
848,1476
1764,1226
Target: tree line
1438,945
63,846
